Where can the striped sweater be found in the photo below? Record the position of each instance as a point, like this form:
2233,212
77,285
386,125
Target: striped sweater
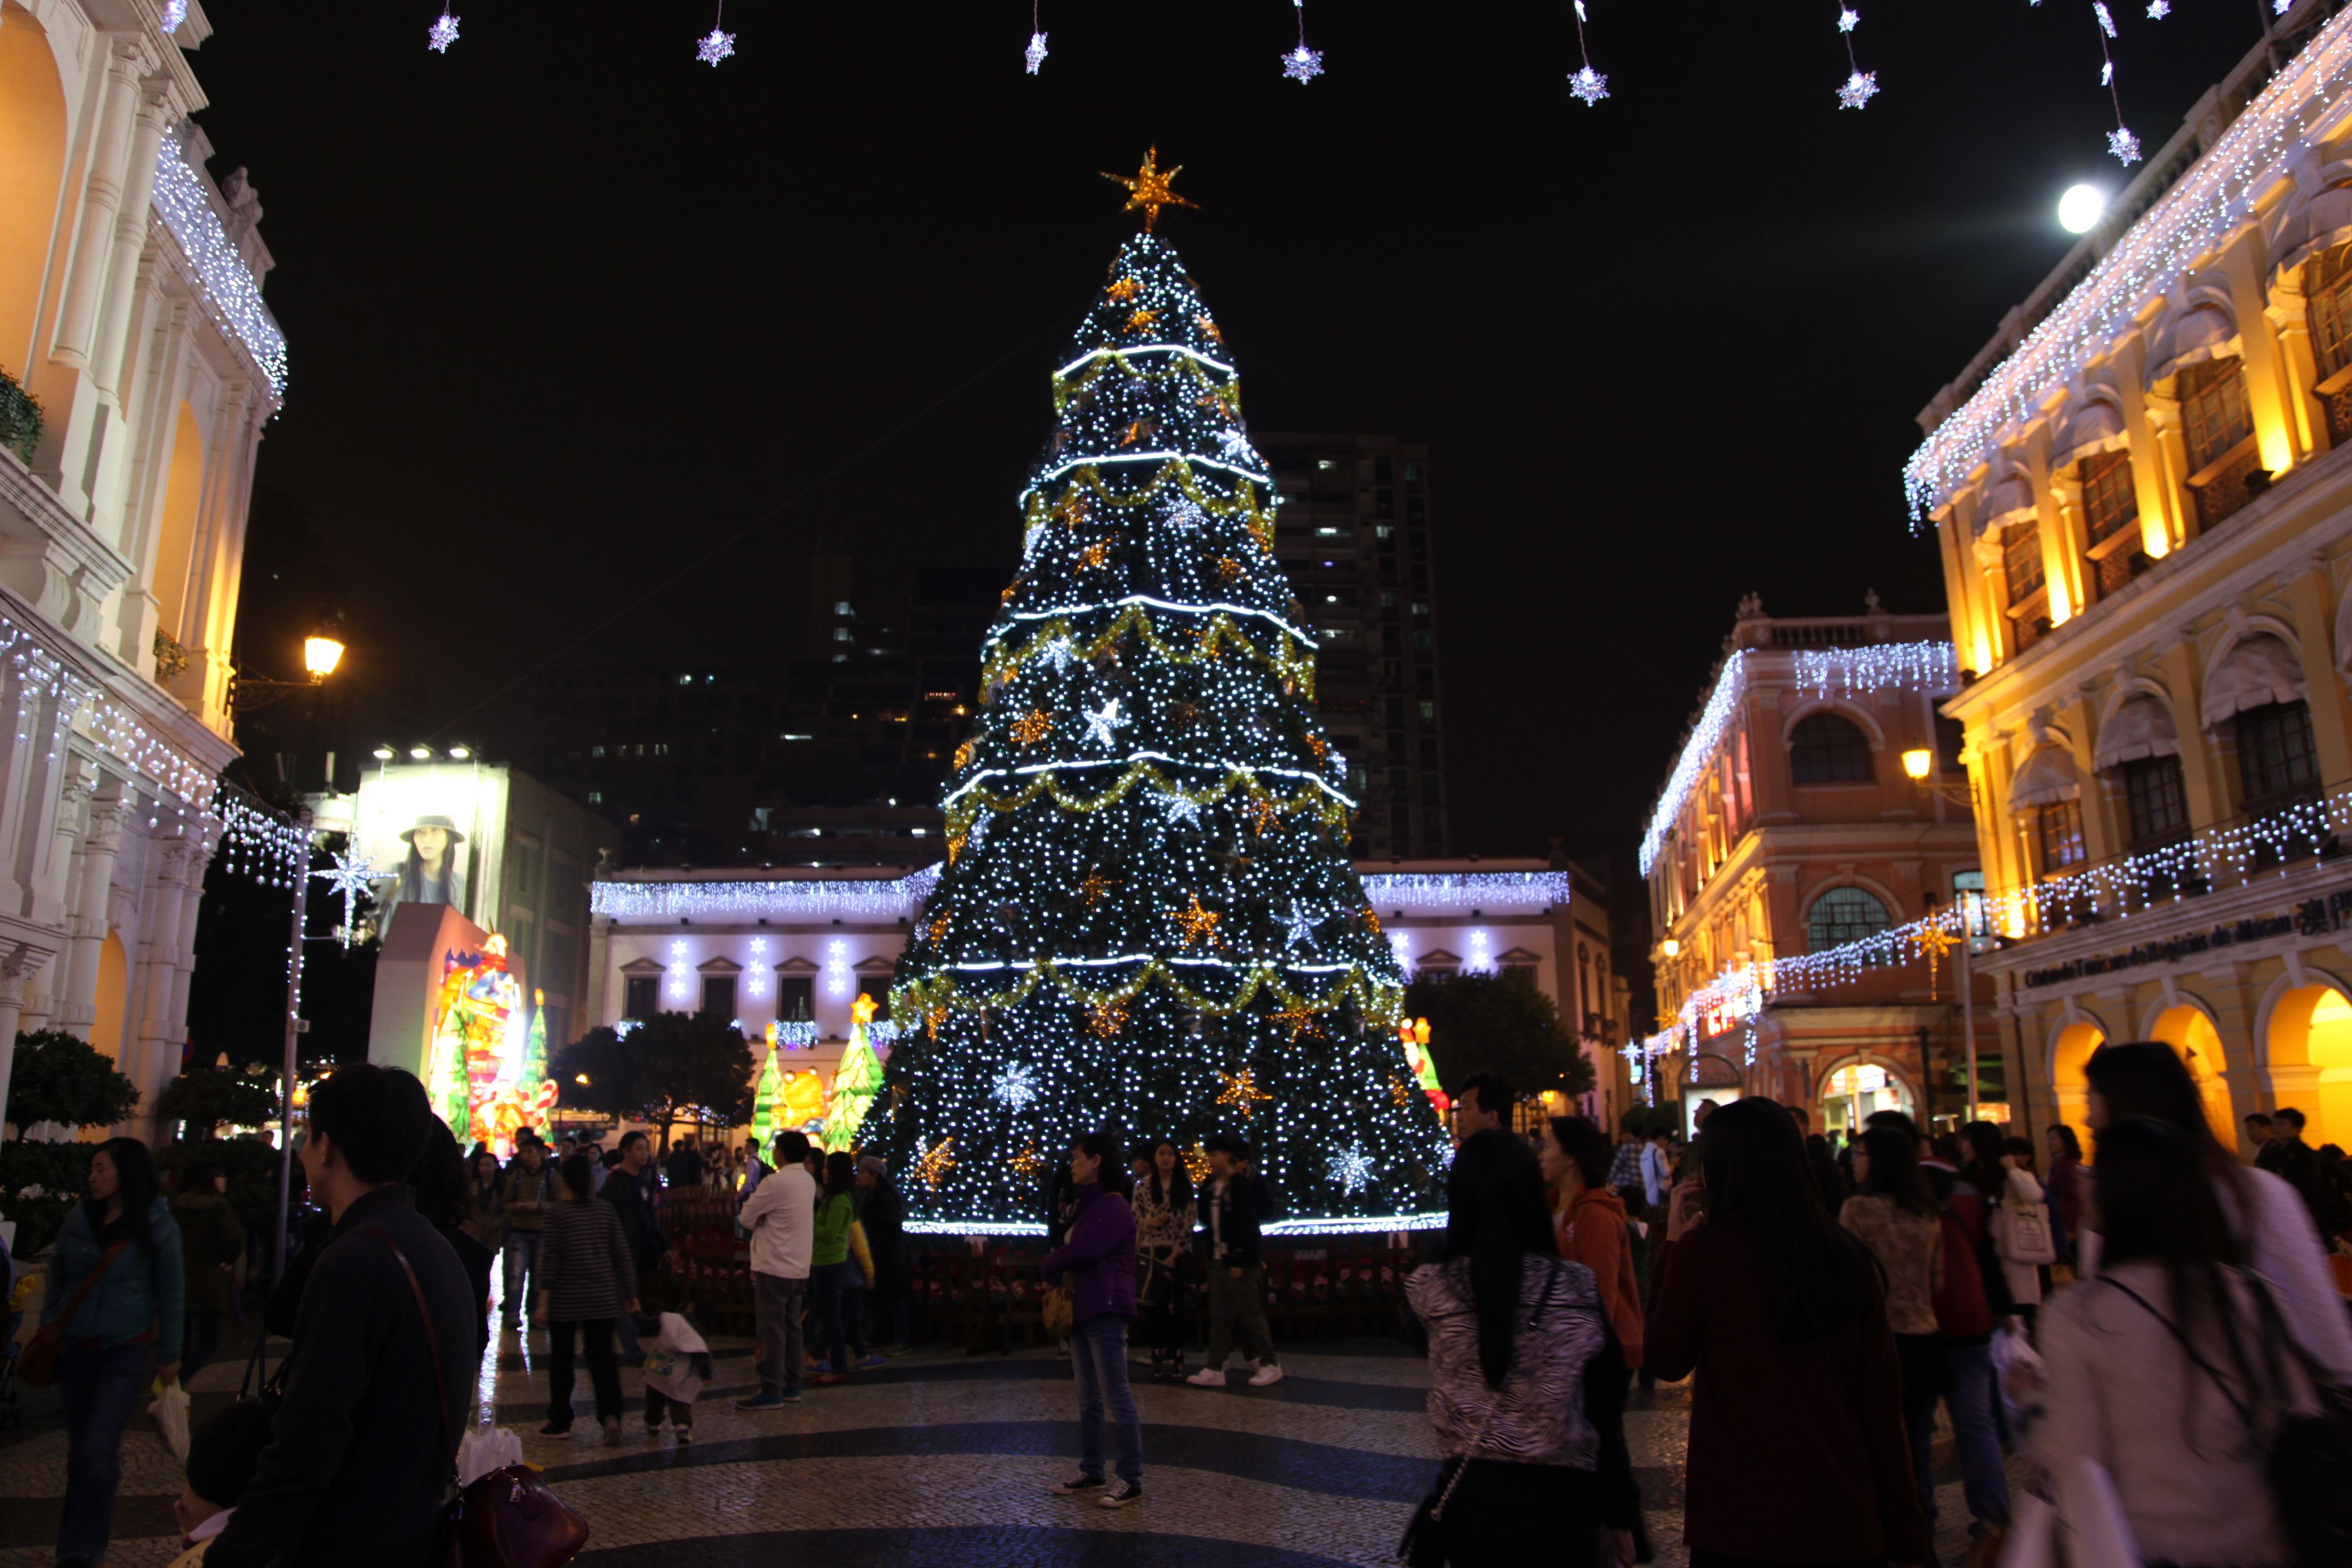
585,1265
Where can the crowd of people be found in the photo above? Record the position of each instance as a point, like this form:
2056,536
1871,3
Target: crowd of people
2151,1326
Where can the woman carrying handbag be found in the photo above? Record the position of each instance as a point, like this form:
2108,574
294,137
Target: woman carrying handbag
2015,1213
1527,1384
1163,1236
1095,1265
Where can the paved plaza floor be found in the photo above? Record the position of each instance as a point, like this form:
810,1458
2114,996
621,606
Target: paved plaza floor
936,1458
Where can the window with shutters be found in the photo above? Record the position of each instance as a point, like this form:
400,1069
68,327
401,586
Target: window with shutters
2213,411
2020,560
2155,800
2109,503
2274,753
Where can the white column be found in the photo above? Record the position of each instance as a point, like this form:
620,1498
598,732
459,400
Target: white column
44,1005
92,911
101,201
183,961
130,238
159,956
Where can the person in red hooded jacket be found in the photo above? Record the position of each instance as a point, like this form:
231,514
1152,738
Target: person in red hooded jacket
1590,1222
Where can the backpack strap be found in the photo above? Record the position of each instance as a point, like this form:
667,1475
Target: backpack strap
432,1342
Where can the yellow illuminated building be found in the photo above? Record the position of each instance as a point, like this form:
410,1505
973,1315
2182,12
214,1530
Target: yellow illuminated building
2145,517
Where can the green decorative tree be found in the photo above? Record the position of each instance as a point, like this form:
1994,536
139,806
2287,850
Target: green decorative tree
767,1101
1149,922
855,1082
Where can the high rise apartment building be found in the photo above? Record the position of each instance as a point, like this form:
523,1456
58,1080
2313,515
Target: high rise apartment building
1353,535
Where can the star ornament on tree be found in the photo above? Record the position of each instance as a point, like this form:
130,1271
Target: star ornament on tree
349,875
1107,1020
1241,1092
1151,189
1199,925
1179,807
1103,724
1351,1168
1300,1016
1301,924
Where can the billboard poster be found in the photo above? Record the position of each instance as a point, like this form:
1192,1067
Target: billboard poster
433,833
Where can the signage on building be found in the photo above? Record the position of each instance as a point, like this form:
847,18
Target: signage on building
2313,917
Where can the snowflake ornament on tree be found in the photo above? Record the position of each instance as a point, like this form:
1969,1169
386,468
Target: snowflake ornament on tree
1015,1087
1351,1169
442,34
1235,446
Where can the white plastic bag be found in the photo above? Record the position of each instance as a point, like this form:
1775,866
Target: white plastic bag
2011,1351
484,1449
171,1413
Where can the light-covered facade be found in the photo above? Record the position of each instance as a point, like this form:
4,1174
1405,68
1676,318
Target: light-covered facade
131,309
2145,514
797,948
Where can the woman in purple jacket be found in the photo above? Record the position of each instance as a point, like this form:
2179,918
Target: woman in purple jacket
1098,1256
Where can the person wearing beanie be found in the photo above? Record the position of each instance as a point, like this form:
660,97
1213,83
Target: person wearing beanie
221,1458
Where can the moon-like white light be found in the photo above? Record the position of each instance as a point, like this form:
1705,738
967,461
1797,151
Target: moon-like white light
2079,207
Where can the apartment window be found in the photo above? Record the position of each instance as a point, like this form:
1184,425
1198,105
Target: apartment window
2329,285
1428,710
719,994
841,633
2109,503
2058,834
596,797
2020,560
644,997
2213,410
795,996
2155,800
841,607
1842,915
2275,752
1827,749
1413,473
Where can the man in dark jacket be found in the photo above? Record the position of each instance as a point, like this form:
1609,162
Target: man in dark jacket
640,1226
1232,1204
377,1387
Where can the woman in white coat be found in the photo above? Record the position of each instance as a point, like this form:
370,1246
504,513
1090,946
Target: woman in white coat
2015,1213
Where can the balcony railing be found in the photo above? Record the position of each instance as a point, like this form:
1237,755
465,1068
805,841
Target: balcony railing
2229,854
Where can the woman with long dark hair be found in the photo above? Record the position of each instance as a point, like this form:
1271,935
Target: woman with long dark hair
2266,1215
2066,1184
2006,1189
1096,1255
115,1287
444,1198
1526,1383
831,1271
586,1277
2163,1369
1589,1222
1895,1216
1163,1233
1798,1452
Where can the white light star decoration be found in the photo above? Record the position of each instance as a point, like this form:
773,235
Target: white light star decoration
714,47
1589,85
1846,19
2124,146
1179,808
1103,723
1301,923
349,875
1015,1087
441,34
1351,1168
1235,446
1184,515
2157,10
1302,64
1036,53
1859,88
174,13
1059,652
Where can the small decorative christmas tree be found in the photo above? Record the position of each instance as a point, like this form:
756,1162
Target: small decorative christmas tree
855,1083
1149,920
767,1099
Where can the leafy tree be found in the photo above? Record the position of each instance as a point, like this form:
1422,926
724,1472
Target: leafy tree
1499,1023
209,1097
668,1063
62,1077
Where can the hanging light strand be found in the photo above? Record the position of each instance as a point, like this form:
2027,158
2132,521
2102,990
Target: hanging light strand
1861,86
1586,84
2120,141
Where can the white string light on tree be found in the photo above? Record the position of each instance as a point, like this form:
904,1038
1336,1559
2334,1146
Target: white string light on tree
1586,84
1302,65
1861,86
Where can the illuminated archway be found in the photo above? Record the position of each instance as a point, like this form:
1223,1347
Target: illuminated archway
2188,1030
2308,1052
1856,1086
2070,1053
31,168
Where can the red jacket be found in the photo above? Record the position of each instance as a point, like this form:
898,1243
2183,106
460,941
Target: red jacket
1797,1453
1592,1232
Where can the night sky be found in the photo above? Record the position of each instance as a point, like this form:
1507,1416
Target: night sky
590,341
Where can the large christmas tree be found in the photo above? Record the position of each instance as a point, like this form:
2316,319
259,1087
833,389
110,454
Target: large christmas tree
1149,922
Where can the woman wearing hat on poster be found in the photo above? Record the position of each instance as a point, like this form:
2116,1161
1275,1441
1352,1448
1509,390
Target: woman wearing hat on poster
433,873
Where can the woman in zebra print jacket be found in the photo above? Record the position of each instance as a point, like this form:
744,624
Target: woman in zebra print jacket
1528,1385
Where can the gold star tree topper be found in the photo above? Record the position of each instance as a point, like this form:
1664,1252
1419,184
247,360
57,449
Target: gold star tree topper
1151,189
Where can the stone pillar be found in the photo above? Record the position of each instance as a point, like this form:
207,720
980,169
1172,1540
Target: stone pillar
183,961
159,959
93,902
44,1006
101,203
130,238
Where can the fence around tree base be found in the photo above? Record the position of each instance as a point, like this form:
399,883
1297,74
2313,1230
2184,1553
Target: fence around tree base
1320,1287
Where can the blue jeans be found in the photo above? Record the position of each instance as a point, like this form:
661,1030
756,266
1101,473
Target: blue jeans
100,1389
1099,1361
838,1330
1970,1399
522,1271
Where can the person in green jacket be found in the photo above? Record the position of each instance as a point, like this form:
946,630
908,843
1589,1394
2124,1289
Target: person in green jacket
832,1274
211,1242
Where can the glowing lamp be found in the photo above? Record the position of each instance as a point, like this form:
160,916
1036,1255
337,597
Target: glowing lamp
582,1080
1670,947
459,753
1917,761
384,754
320,653
2079,208
421,753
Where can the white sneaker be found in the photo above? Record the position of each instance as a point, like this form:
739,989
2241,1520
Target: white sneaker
1208,1377
1267,1375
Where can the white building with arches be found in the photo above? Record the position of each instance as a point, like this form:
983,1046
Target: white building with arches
131,314
2144,507
1790,826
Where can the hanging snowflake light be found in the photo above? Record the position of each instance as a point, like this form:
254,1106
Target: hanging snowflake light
1846,19
1585,82
2157,10
2121,143
1302,65
1859,88
348,876
1351,1168
718,44
174,13
1015,1087
441,34
2124,146
1036,53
